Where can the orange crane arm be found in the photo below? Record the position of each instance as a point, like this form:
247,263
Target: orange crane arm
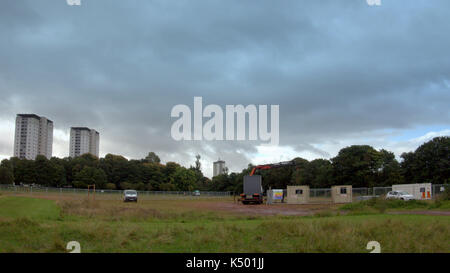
271,166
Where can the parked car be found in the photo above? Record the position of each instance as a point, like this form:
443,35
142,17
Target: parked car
402,195
196,193
130,196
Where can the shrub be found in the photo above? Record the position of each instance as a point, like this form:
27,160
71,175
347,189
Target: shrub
381,205
325,213
110,186
126,186
446,195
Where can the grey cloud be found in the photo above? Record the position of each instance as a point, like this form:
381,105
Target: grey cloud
336,68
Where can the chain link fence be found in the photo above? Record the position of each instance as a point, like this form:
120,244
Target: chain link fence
323,195
317,195
111,194
320,195
438,189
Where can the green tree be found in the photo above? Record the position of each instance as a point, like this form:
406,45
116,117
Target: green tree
430,162
357,165
110,186
198,164
409,167
199,178
7,164
6,172
169,171
390,172
116,168
184,179
127,186
168,187
152,158
153,175
6,175
24,171
221,182
298,176
317,174
90,176
49,173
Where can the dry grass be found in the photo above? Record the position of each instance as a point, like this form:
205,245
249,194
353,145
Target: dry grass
107,210
142,211
165,226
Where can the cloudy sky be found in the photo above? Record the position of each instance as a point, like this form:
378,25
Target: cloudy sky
342,72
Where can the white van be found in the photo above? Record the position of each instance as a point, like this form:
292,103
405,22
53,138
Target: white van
130,196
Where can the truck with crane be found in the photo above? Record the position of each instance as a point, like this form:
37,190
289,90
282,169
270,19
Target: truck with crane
253,191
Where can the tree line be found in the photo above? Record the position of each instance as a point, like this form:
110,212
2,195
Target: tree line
356,165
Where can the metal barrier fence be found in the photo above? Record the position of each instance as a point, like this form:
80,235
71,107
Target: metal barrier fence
438,189
317,195
378,191
320,195
112,194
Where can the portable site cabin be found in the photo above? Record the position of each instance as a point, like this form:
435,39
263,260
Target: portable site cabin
419,191
341,194
298,194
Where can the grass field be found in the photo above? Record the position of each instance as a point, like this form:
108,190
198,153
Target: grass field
380,205
41,225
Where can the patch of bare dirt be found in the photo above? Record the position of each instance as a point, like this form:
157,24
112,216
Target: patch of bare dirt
276,209
84,206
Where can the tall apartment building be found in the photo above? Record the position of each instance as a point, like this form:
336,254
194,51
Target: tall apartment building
33,136
84,140
218,167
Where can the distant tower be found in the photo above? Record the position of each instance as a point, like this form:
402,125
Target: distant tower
218,167
34,136
84,140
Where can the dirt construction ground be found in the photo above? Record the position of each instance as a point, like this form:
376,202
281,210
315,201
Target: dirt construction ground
226,205
229,206
286,209
276,209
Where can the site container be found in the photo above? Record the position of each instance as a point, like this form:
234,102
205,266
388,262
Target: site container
419,191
